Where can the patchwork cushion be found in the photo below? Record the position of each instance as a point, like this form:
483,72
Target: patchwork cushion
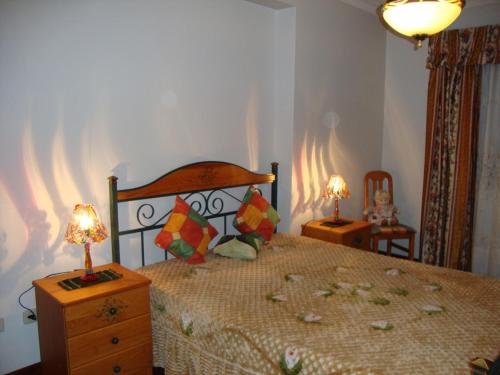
186,233
233,247
256,215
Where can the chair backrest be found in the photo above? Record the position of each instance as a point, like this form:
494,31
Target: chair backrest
377,180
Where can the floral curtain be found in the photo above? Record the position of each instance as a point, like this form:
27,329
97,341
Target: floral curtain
486,242
453,105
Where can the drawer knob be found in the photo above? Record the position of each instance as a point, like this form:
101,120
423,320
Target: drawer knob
358,240
117,369
112,310
115,340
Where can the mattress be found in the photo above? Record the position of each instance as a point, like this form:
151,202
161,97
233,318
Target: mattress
342,310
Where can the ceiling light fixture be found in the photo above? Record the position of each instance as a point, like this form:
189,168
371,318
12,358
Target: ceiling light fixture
420,18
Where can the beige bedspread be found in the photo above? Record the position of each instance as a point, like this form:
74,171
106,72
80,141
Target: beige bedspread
237,327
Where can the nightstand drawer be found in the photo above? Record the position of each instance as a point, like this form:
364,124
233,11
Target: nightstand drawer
137,360
109,340
101,312
359,239
354,234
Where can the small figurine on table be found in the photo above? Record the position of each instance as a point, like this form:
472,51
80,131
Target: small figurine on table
383,213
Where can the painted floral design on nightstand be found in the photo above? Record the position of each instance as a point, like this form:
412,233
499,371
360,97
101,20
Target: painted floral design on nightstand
111,309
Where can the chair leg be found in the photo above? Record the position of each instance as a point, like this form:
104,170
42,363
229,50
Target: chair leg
411,246
375,244
389,247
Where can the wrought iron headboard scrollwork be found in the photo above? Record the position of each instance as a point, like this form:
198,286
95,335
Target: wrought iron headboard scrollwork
203,185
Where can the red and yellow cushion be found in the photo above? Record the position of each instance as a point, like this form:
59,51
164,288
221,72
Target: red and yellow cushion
256,215
186,233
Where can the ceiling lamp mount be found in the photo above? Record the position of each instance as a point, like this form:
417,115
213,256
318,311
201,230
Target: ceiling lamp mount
419,19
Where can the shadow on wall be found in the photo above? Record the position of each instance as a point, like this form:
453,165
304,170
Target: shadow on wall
54,166
38,191
318,160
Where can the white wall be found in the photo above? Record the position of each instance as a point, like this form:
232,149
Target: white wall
96,87
339,73
405,113
284,88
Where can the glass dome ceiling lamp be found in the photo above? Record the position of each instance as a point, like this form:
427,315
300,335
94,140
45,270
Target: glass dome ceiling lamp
419,19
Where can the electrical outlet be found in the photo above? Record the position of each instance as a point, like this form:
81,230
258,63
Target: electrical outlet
27,313
2,324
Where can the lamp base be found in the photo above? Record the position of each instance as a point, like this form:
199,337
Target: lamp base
336,223
89,278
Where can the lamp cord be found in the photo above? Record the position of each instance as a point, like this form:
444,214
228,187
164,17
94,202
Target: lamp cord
32,315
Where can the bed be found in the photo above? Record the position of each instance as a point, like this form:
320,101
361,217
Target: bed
303,306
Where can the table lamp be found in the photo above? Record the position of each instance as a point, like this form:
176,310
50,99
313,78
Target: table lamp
336,189
85,228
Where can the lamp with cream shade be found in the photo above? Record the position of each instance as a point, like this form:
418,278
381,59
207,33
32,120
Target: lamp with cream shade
336,188
83,229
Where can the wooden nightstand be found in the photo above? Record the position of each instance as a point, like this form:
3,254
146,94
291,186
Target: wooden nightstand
355,234
101,329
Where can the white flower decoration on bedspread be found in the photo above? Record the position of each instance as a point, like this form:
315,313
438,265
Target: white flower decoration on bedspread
323,293
382,325
277,297
290,362
393,271
432,309
186,324
341,269
343,285
309,317
294,277
433,287
365,285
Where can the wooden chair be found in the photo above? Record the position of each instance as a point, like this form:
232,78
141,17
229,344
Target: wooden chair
381,180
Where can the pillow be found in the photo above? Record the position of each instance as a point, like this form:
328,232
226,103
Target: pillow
250,239
233,247
256,215
186,233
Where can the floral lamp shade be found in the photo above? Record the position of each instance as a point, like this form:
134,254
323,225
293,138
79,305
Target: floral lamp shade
336,188
85,228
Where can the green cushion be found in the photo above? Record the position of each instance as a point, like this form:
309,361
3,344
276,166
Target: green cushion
234,248
252,239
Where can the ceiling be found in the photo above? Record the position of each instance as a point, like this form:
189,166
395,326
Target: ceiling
274,4
371,5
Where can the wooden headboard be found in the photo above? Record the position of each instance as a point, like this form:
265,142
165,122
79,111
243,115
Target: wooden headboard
203,179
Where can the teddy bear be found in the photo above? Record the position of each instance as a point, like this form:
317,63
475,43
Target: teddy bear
383,213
